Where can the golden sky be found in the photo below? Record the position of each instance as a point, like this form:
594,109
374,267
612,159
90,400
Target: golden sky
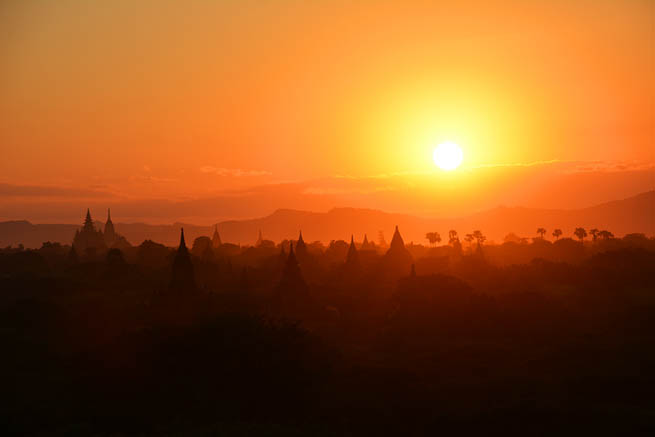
121,101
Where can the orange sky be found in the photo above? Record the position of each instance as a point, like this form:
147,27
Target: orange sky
126,103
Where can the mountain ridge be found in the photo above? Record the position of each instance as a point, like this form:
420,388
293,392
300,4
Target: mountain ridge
621,216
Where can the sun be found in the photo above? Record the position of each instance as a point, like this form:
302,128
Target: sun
448,156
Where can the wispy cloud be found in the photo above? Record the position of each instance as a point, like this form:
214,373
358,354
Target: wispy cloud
12,190
150,178
520,164
614,166
233,172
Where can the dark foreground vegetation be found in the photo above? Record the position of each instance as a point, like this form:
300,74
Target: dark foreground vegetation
456,343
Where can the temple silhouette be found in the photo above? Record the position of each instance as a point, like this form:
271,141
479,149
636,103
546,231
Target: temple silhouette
90,242
183,278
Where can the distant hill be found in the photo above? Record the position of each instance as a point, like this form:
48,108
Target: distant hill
634,214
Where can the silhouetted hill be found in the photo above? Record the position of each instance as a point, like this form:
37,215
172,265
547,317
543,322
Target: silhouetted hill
634,214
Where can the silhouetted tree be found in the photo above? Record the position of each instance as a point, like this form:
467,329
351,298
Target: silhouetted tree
433,237
580,233
594,234
557,233
200,246
541,232
605,234
452,236
479,237
469,239
115,257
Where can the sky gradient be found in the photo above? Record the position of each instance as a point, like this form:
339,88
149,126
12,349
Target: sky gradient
232,109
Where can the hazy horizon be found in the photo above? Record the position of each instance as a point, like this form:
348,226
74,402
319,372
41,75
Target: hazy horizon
230,110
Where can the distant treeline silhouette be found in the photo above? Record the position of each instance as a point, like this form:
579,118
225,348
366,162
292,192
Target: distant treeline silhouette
299,338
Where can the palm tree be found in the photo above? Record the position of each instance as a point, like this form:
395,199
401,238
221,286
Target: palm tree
433,237
479,237
557,233
541,232
469,238
452,236
605,235
580,233
594,234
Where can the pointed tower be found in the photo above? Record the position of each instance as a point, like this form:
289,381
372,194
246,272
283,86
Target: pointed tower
89,241
397,242
182,247
398,259
88,222
352,259
367,245
292,286
260,239
110,233
301,247
216,239
183,278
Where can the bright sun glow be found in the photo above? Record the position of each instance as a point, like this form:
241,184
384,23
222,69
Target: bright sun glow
448,156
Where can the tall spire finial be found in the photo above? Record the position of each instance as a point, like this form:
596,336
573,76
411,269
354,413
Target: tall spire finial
216,239
88,221
108,214
182,242
397,241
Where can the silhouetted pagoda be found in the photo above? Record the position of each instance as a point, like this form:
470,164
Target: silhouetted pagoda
260,239
216,239
352,258
110,232
112,238
183,277
398,260
89,241
367,245
292,286
301,247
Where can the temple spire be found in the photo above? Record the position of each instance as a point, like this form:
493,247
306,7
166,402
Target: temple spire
110,233
352,258
301,247
216,238
182,242
88,221
183,277
397,241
